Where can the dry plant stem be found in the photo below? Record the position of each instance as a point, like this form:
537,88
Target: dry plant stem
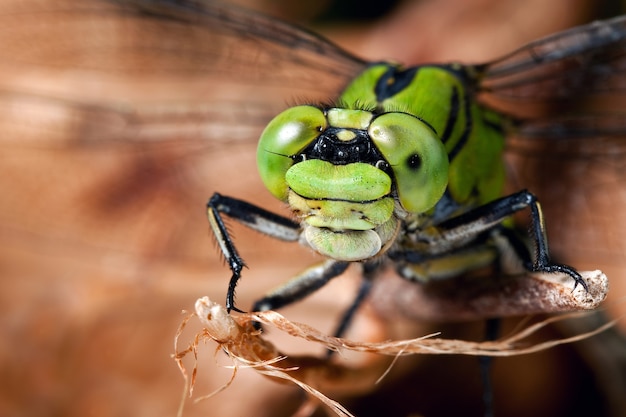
484,297
535,293
247,347
513,345
238,337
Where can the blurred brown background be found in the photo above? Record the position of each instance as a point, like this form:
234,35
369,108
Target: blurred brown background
103,244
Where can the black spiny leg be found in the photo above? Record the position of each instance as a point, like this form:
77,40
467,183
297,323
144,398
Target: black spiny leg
489,215
542,256
369,269
492,330
302,285
251,216
364,289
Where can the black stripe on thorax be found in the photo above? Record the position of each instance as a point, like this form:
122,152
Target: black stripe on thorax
393,81
452,115
467,128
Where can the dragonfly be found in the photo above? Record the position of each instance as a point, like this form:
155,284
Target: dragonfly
115,132
407,166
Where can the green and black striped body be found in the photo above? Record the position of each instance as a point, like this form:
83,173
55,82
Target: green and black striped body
401,152
441,96
473,136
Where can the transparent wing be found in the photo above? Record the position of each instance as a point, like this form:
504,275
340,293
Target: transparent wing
570,85
567,93
116,126
142,61
135,112
582,62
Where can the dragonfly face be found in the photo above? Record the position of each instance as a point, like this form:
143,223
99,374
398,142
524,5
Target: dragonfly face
342,170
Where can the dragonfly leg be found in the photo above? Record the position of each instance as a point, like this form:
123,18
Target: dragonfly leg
345,321
455,235
492,331
302,285
491,214
254,217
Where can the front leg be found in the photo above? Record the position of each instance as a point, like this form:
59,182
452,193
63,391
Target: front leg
493,213
249,215
488,217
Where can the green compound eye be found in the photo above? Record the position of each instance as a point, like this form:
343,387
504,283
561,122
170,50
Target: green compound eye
286,135
417,157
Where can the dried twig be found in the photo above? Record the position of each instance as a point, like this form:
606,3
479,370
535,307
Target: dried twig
484,297
248,348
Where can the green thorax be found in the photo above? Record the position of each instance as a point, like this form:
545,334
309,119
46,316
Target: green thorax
439,96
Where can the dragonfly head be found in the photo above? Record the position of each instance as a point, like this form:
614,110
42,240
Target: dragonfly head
346,173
